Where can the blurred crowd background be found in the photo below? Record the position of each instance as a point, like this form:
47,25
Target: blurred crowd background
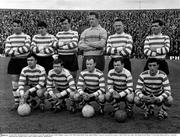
137,23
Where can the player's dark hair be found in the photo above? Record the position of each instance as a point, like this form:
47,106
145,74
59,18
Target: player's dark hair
95,14
119,59
18,22
152,60
58,61
32,55
65,18
160,22
42,24
118,19
89,58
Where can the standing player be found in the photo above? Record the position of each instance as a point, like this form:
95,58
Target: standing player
92,42
153,88
67,46
119,45
17,47
157,46
120,87
60,85
32,81
42,46
91,85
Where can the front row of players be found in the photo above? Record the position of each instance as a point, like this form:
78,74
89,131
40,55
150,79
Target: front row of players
152,88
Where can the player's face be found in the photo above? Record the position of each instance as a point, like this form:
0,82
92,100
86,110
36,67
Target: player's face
153,67
31,62
90,65
65,25
93,20
156,28
17,28
119,27
42,30
57,68
118,66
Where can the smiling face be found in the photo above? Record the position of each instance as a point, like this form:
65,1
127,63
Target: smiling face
90,65
119,27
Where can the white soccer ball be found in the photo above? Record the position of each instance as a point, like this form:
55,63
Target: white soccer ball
88,111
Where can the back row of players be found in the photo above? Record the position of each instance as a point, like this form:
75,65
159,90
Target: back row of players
50,51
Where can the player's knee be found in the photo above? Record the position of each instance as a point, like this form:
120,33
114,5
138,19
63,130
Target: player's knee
77,97
14,84
130,97
137,101
169,101
101,98
108,97
40,92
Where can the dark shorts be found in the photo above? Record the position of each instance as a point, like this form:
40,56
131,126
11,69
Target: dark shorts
127,64
70,62
16,65
46,62
163,65
100,62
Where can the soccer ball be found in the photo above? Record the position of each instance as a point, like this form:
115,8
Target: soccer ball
24,109
88,111
120,115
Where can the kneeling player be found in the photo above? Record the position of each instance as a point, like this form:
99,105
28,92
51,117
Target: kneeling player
120,87
91,85
153,88
31,82
60,85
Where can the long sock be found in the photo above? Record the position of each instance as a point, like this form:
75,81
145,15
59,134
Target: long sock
16,96
115,105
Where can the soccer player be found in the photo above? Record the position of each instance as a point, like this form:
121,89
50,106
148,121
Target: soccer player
67,46
17,47
91,85
92,42
32,81
119,45
157,46
60,85
42,46
153,88
120,87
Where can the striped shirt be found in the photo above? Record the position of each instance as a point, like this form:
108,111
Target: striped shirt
71,37
17,45
97,36
35,78
63,81
42,45
120,82
119,45
157,85
93,81
160,42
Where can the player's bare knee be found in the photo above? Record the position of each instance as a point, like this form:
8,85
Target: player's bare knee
40,92
108,97
130,97
101,98
137,101
14,84
169,101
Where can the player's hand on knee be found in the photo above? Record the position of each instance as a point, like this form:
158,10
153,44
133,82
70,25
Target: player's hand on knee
26,94
86,96
116,95
58,95
108,96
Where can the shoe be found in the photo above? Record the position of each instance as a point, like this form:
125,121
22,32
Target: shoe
42,107
72,109
129,113
146,115
162,115
111,113
14,107
151,110
101,111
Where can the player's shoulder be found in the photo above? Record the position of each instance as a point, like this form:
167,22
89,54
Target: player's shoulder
162,73
99,71
40,67
66,71
144,73
126,71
